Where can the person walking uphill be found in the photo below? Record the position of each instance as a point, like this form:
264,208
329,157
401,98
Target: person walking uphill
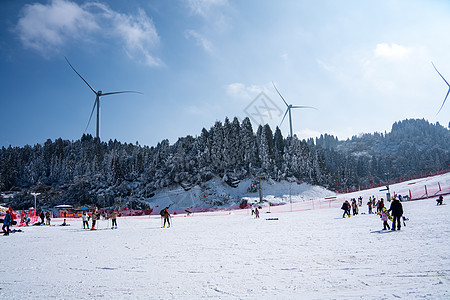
165,215
396,210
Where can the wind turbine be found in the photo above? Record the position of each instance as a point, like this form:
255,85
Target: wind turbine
445,99
289,107
98,94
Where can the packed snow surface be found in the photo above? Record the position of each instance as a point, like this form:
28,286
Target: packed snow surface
304,254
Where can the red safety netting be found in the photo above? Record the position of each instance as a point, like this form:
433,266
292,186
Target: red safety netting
27,217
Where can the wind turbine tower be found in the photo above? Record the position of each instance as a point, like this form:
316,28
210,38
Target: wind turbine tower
288,110
98,94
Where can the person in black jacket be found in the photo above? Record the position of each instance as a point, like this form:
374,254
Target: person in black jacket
397,212
346,207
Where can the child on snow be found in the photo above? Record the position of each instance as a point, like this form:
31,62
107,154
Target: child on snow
384,218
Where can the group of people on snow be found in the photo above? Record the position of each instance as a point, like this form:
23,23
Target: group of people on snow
347,207
95,216
394,213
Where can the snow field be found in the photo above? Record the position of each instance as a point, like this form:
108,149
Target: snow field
313,254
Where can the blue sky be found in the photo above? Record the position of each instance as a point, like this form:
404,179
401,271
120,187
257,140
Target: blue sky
362,64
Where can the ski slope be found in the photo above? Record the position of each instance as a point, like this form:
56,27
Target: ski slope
309,254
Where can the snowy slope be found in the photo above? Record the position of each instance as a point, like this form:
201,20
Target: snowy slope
216,193
313,254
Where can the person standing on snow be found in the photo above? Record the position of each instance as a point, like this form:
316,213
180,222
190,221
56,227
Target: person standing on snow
6,223
113,217
380,205
84,216
95,217
165,215
47,217
346,207
397,212
354,207
384,218
369,204
257,212
440,200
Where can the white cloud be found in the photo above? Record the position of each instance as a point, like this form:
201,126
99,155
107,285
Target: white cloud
139,35
49,28
46,27
392,51
201,40
240,90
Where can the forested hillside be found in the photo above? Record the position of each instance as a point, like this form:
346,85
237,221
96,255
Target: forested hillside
88,171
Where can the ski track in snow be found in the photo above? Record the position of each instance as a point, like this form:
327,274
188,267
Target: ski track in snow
314,254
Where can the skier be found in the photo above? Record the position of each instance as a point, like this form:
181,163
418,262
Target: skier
95,217
440,200
360,200
397,212
346,208
84,216
6,223
113,217
257,212
384,218
165,215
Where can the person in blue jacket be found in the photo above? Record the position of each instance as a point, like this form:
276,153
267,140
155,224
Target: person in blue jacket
6,223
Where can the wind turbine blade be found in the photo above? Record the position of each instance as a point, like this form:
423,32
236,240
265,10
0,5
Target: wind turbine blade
112,93
440,74
298,106
95,92
287,110
280,94
443,102
92,112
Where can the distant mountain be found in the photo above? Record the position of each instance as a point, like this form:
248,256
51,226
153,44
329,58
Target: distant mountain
88,171
413,147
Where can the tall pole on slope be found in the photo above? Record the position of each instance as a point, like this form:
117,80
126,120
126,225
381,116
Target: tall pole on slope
35,196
